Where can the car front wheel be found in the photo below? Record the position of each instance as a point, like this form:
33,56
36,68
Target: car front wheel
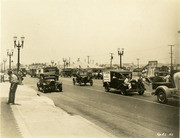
38,87
161,97
107,88
60,88
91,83
141,92
43,89
74,82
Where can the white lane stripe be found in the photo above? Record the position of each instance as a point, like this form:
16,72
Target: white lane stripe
128,97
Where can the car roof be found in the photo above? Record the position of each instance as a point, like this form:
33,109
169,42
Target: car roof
49,77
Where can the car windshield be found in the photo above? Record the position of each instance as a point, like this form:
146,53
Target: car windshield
127,75
83,73
50,79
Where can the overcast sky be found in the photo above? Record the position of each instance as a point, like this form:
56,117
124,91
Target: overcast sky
54,29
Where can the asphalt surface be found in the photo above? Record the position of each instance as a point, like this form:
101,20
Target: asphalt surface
124,116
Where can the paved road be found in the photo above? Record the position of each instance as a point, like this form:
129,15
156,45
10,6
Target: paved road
123,116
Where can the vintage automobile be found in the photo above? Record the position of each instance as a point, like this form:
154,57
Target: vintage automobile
97,73
50,71
49,83
32,72
83,77
67,72
116,79
160,79
165,91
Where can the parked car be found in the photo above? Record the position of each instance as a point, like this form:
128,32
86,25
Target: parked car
83,77
164,92
116,79
49,83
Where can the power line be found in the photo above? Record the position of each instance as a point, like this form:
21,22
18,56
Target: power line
88,59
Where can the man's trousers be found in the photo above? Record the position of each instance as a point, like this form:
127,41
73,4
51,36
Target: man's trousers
12,92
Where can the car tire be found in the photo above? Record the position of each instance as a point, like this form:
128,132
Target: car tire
161,97
74,82
38,88
60,89
91,83
43,89
107,89
124,93
141,92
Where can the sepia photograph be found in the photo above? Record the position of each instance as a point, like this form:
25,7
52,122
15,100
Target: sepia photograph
90,69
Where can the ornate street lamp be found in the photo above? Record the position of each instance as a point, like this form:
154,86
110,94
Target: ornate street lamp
10,54
18,45
4,60
120,53
52,62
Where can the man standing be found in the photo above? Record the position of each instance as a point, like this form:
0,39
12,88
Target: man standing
14,82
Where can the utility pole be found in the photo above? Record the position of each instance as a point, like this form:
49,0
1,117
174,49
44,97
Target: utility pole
59,64
88,59
171,71
2,72
138,62
1,67
138,65
111,58
69,61
64,60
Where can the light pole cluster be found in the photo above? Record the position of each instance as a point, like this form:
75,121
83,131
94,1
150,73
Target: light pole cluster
52,62
4,60
64,60
18,45
10,54
120,53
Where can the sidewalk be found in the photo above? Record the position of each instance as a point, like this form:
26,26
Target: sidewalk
37,117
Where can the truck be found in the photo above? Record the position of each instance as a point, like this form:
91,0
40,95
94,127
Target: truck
163,92
48,71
